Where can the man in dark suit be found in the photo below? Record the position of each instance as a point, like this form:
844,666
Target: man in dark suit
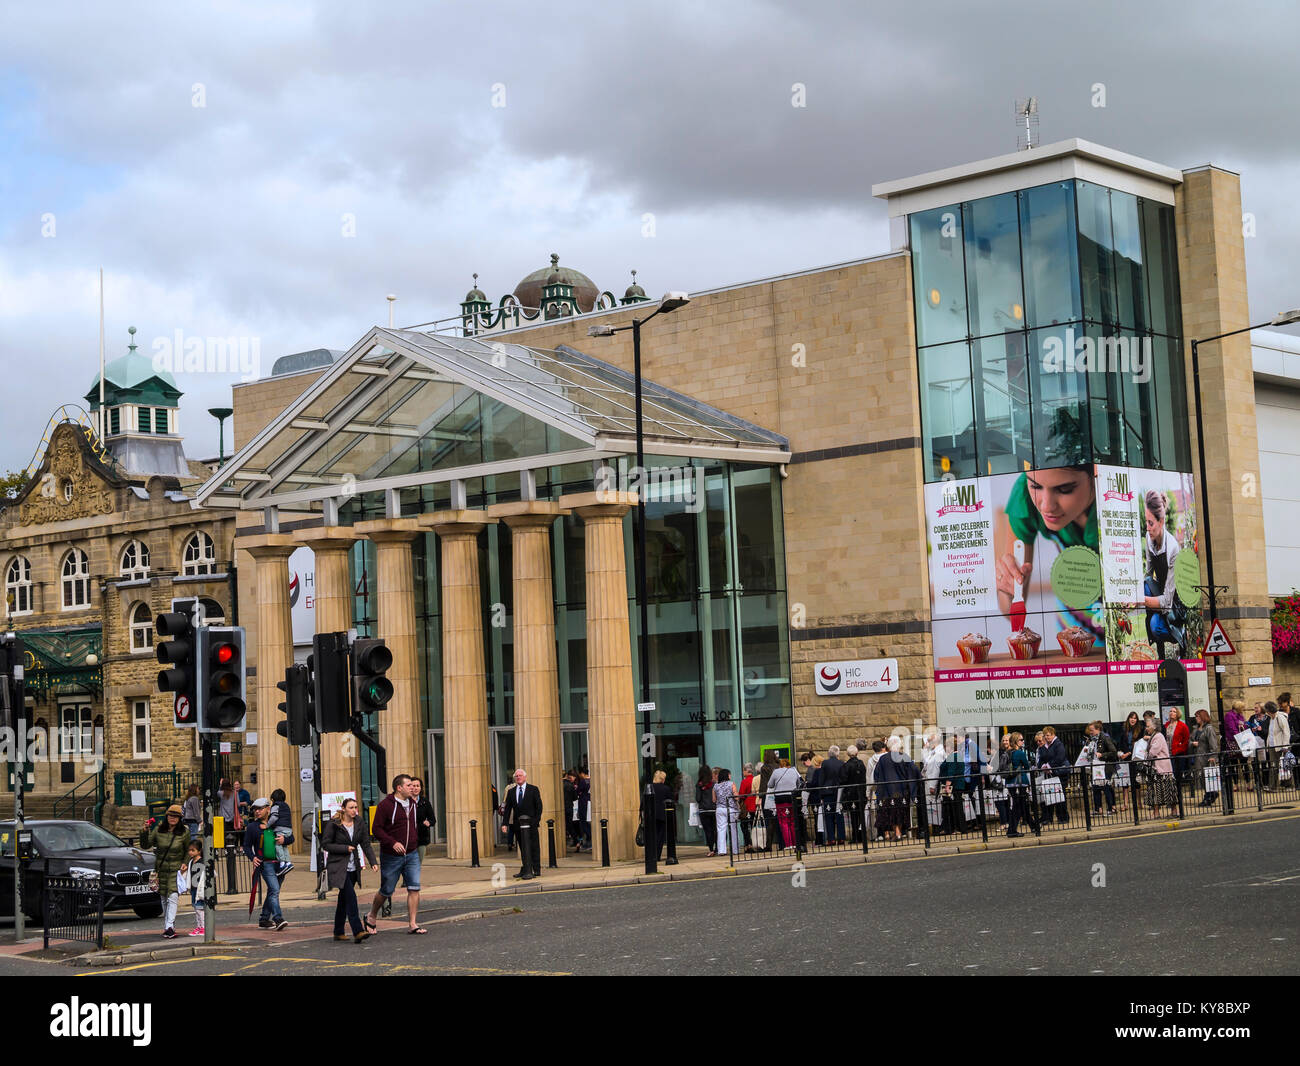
524,813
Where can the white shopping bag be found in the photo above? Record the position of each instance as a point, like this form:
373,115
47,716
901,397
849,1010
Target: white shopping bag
1122,778
820,828
969,809
694,817
1050,790
1098,773
933,811
1211,779
1247,742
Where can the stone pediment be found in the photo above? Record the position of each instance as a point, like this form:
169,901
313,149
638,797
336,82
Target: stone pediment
70,483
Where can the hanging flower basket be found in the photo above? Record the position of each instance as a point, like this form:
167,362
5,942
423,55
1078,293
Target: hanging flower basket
1285,617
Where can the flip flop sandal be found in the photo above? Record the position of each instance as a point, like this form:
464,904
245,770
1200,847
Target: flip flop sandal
419,930
370,924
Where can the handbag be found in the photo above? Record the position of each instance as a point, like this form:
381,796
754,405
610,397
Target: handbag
759,833
640,834
1050,790
153,881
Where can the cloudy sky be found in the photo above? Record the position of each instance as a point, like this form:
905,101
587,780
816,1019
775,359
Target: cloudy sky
232,218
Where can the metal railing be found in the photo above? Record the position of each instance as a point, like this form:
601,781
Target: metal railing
85,796
72,908
986,806
159,785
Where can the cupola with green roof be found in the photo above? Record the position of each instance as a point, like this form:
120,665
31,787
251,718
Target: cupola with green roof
142,407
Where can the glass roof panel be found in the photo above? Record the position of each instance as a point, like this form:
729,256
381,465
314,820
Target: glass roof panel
427,402
598,394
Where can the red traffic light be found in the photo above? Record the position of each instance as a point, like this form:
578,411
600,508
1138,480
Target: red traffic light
225,654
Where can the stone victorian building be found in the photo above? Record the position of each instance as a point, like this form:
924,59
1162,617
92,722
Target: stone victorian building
99,540
834,455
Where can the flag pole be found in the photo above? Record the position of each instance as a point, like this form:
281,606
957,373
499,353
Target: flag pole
102,423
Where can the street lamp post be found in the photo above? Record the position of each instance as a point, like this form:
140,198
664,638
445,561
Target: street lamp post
1282,319
671,302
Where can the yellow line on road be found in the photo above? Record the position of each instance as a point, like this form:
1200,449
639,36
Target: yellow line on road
391,967
108,971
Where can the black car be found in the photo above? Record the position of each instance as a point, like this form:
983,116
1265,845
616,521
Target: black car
74,848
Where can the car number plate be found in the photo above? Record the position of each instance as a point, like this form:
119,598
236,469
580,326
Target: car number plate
136,890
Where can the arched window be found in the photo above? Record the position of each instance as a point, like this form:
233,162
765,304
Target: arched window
18,585
76,580
199,555
135,560
141,628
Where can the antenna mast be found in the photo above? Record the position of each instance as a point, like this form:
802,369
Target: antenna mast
1027,124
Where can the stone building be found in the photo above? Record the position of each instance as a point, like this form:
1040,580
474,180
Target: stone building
837,457
101,539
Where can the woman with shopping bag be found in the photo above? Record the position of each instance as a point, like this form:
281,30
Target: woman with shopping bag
782,791
1160,788
1205,757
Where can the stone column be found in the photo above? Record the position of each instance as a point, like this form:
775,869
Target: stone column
1212,276
339,763
611,700
537,695
464,682
401,725
277,762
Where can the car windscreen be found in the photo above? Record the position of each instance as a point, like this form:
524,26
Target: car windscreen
73,836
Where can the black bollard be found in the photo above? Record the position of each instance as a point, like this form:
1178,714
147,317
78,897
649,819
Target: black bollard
1227,773
524,838
473,842
648,821
550,843
604,842
670,829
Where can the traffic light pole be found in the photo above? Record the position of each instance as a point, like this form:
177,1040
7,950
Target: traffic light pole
209,866
381,756
317,827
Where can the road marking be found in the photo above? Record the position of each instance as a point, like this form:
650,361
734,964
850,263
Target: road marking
108,971
388,966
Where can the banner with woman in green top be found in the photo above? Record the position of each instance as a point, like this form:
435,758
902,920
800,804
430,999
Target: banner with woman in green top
1032,573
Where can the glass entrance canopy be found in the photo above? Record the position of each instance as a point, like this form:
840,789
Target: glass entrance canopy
405,408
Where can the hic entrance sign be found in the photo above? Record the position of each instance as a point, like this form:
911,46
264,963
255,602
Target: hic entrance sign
1217,642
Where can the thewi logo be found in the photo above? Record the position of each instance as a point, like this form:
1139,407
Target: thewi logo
959,498
828,679
295,587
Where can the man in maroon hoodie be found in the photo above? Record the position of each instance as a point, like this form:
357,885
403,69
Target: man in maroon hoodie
398,833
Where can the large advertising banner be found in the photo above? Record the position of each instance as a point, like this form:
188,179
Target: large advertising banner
1054,593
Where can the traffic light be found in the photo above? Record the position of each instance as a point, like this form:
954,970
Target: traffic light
371,690
12,690
295,728
222,687
181,676
330,665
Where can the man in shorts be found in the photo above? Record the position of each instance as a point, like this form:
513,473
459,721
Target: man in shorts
398,834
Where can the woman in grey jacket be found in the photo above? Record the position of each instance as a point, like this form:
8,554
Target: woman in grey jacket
346,843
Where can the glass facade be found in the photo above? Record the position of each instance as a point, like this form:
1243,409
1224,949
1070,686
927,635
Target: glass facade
718,641
1048,332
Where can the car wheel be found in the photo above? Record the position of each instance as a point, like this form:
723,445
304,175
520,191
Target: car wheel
148,910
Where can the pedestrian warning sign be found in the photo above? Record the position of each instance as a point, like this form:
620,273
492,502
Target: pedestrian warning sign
1217,642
